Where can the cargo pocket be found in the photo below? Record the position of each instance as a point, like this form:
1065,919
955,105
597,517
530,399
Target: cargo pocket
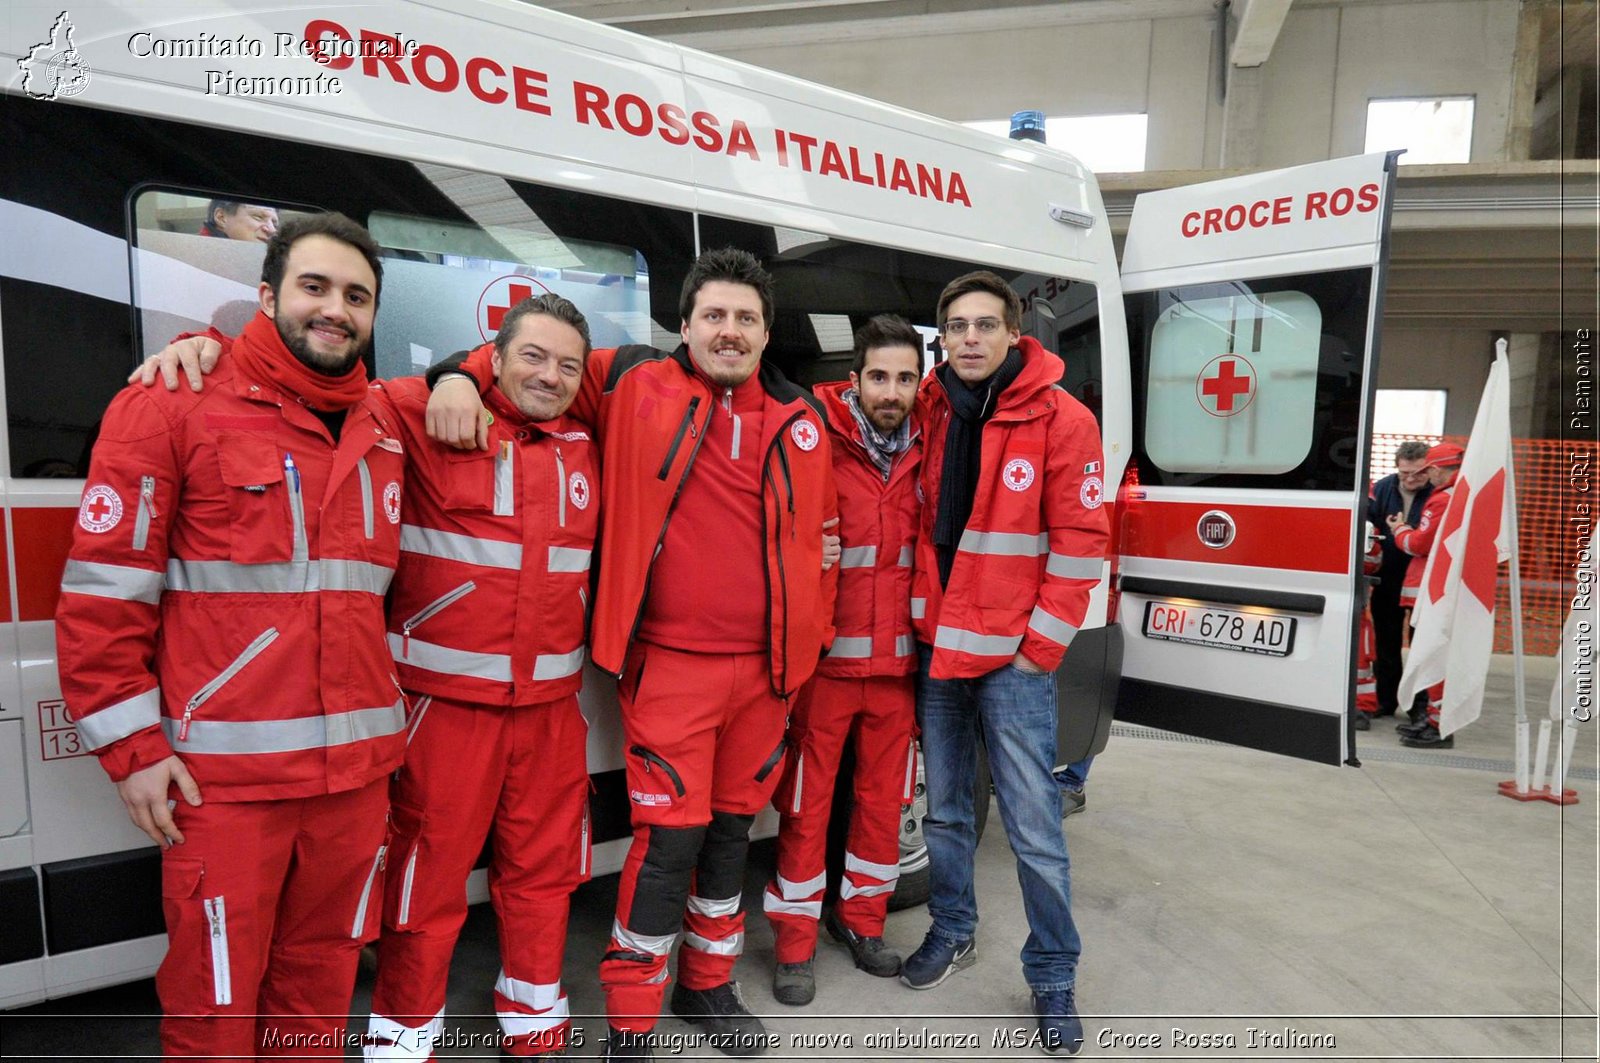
405,843
473,483
260,512
364,927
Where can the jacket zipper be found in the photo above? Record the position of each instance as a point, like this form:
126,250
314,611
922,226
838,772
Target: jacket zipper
360,924
779,682
583,845
651,757
423,704
297,508
561,490
406,883
147,509
772,761
221,975
687,424
431,609
204,694
738,423
799,782
366,495
505,480
694,404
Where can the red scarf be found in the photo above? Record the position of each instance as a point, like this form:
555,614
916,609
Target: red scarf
263,357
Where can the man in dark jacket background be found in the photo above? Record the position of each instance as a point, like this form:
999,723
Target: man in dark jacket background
1404,491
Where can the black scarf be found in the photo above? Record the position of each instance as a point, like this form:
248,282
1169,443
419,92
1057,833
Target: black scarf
972,406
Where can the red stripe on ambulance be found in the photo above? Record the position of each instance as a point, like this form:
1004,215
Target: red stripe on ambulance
1287,537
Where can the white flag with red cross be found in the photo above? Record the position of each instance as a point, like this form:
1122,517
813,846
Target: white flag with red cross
1453,621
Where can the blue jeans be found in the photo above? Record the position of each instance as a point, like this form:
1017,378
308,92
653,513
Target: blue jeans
1017,713
1073,776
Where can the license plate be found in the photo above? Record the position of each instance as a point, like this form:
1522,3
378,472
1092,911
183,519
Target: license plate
1226,629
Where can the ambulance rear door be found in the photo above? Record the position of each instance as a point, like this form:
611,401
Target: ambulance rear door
1253,306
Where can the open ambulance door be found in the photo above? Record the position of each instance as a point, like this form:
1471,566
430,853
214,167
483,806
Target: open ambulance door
1253,306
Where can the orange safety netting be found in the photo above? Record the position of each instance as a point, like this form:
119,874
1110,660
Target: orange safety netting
1545,549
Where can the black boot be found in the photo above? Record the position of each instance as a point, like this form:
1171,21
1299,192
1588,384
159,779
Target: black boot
625,1046
730,1027
1428,738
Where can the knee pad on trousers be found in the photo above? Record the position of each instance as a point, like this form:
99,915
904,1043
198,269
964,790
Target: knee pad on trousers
662,888
721,869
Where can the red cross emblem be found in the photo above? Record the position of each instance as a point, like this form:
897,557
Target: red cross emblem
101,509
1092,493
1226,386
1018,474
499,297
805,435
578,490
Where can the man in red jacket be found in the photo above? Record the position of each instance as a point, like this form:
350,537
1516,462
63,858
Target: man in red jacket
1442,464
710,611
222,648
863,692
1013,539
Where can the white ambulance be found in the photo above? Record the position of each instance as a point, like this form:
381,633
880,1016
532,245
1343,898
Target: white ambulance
496,150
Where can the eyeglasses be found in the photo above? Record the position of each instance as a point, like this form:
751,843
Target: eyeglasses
986,326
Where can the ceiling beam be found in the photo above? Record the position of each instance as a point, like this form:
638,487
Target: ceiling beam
1257,31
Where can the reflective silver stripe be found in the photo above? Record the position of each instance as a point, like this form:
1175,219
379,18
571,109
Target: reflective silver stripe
732,945
221,969
799,783
654,944
540,996
561,490
390,1042
365,475
858,557
797,890
417,713
881,872
290,736
772,904
447,660
919,608
287,577
1004,544
963,641
848,889
713,908
116,722
911,771
406,884
1069,567
568,559
852,647
905,559
1051,626
491,553
904,645
505,484
521,1024
359,924
557,665
122,582
141,521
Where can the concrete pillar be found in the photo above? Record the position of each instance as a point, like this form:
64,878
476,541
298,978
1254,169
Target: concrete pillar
1241,117
1523,351
1524,79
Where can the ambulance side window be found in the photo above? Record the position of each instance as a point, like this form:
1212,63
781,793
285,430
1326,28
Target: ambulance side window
827,287
1250,383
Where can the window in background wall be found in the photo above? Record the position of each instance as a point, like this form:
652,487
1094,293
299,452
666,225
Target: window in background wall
1106,143
1431,130
1409,411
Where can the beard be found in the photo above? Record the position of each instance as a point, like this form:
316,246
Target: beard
298,340
887,419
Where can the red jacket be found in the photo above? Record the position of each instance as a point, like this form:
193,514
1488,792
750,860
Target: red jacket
878,528
492,588
650,411
1418,541
1035,543
223,598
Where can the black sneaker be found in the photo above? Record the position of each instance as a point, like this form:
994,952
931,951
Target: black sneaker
625,1046
730,1028
870,953
1060,1029
795,984
1072,802
1428,738
1362,721
937,960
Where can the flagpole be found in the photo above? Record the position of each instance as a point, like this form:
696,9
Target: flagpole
1519,678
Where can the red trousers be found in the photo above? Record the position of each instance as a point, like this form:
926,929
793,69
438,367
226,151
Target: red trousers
876,713
267,906
1366,678
704,738
522,774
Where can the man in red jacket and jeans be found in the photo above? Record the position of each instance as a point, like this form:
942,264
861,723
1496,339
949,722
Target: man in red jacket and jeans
1013,540
711,611
222,647
863,692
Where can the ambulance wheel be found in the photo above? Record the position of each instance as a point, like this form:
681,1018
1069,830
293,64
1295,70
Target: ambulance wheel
915,886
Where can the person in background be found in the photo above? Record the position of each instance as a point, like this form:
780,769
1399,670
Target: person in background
1442,463
1403,492
232,220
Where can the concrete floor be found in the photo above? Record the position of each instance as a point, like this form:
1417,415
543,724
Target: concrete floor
1399,910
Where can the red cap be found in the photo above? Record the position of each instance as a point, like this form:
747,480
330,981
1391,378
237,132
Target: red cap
1444,456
